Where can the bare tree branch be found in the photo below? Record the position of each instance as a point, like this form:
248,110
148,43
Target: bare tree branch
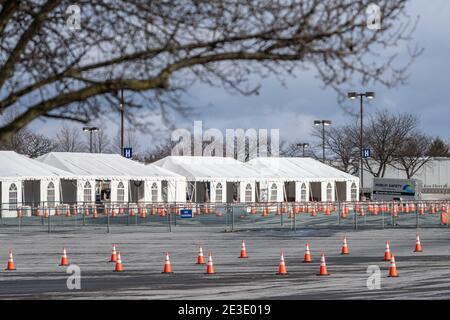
164,47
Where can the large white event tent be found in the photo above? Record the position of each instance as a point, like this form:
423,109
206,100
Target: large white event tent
266,179
25,182
115,178
304,179
214,179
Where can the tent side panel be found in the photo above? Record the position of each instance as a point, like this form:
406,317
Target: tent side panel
8,208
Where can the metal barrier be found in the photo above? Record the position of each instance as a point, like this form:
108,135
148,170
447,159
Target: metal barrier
226,216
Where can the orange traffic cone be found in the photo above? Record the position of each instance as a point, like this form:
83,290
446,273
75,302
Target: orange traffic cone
421,210
344,249
167,266
323,267
119,267
282,266
243,251
393,268
307,258
418,245
113,254
387,252
10,265
64,259
210,266
200,258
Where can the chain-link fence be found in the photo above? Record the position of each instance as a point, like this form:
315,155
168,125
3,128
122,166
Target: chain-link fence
226,216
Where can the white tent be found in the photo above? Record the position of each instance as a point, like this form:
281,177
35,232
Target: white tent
126,180
28,182
214,179
300,177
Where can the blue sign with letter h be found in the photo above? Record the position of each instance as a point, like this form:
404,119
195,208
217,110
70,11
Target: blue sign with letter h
128,153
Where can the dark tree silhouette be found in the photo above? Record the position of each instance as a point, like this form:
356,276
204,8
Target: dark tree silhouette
438,148
411,154
160,48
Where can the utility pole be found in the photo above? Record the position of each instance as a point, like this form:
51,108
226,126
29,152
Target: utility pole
361,165
303,146
91,130
323,123
369,95
122,112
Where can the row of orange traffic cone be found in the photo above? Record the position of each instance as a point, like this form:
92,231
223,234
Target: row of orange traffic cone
388,256
115,257
322,269
11,266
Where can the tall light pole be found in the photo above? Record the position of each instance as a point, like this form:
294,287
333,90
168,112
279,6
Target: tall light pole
303,146
352,96
323,123
91,130
122,111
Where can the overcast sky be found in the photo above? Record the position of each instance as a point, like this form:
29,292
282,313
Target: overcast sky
293,108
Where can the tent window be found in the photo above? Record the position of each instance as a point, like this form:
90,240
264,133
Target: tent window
329,192
273,192
219,192
51,194
120,192
87,192
13,196
154,192
353,192
248,193
303,193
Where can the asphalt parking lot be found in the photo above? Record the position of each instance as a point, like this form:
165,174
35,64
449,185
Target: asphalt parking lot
38,276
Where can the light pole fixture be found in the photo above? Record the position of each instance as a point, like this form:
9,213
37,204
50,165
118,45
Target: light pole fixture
352,96
122,129
303,146
323,123
90,130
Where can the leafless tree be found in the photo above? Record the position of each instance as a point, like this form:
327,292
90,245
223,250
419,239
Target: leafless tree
36,145
25,141
101,142
158,49
341,143
130,141
295,150
70,139
411,155
159,152
385,134
29,143
438,148
15,142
